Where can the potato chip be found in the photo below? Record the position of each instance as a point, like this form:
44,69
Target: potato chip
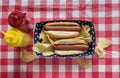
27,57
101,46
104,43
36,47
85,34
100,52
47,53
87,28
42,47
43,37
88,39
51,41
84,63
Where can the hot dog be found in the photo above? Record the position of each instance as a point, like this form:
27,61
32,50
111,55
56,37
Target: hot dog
61,30
68,45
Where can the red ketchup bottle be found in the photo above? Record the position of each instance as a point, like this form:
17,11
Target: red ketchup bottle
19,21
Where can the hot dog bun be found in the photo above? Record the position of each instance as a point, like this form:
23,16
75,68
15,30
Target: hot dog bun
70,52
71,41
62,23
62,34
62,28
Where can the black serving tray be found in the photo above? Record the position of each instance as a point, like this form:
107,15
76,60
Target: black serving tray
39,26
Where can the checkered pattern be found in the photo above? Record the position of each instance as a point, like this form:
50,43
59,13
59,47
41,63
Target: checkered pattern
106,18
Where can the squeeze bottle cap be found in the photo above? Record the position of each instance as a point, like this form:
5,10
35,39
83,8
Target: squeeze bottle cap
12,37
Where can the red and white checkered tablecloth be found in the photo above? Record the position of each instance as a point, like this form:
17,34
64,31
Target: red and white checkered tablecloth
106,18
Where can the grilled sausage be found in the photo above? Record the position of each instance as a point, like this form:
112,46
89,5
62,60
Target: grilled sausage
81,47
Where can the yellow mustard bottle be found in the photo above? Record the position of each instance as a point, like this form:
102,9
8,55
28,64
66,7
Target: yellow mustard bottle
17,38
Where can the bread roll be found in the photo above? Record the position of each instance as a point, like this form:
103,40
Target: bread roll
63,23
68,52
71,41
62,34
62,28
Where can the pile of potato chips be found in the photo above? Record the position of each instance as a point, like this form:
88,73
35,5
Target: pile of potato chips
46,46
